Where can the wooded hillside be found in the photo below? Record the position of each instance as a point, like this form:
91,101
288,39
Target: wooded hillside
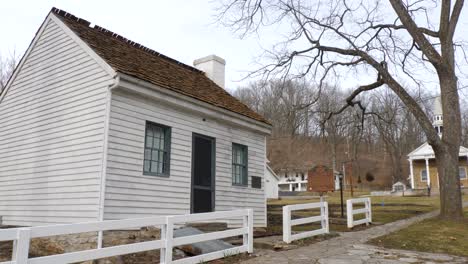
307,131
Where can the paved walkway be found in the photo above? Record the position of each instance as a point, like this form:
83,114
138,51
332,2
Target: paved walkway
349,248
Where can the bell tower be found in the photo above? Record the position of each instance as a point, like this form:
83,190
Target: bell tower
438,116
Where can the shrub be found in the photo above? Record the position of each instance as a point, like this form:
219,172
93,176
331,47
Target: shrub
370,177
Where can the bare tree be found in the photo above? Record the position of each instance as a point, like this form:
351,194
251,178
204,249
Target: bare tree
333,129
397,129
7,66
395,41
285,102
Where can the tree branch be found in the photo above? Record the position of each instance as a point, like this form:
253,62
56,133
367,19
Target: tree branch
454,18
352,96
426,47
426,31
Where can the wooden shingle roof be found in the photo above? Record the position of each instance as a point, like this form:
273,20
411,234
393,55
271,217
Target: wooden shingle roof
138,61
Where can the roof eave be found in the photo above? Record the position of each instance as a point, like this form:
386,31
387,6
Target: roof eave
264,127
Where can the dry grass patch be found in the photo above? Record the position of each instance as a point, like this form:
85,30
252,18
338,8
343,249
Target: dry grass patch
432,235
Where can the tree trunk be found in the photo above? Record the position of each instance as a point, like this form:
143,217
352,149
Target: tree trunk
449,184
447,150
333,149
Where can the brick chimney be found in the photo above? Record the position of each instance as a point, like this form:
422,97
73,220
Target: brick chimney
213,66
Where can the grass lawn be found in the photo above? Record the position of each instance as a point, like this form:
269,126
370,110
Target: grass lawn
432,235
385,209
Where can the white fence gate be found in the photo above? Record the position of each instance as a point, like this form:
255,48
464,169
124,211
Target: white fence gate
350,212
288,223
21,238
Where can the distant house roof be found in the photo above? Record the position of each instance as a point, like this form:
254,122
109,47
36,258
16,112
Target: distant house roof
426,151
136,60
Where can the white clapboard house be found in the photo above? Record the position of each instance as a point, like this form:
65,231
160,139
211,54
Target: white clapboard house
96,127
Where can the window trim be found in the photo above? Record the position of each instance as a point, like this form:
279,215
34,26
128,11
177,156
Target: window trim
422,175
167,143
466,176
246,183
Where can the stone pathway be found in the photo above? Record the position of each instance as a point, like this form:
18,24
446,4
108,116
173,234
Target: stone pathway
349,248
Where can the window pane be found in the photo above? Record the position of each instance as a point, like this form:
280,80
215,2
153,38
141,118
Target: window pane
149,132
239,164
462,173
149,141
161,156
158,131
234,174
156,142
161,142
146,165
244,175
154,166
147,154
156,153
424,175
160,167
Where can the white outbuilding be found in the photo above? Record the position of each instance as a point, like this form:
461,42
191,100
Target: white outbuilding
97,127
398,187
271,183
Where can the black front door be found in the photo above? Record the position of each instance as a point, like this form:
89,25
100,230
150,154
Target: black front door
203,174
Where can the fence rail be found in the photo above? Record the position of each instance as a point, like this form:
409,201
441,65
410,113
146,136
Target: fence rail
288,223
21,238
350,212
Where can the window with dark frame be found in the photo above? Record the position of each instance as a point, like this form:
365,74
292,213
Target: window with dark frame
424,175
157,150
239,164
462,172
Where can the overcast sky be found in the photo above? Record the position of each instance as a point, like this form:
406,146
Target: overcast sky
183,30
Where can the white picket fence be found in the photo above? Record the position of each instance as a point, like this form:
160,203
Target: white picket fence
350,212
21,238
288,223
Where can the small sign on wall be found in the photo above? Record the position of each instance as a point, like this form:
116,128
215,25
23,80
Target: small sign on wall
256,182
320,179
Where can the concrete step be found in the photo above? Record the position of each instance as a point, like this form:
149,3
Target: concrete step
201,247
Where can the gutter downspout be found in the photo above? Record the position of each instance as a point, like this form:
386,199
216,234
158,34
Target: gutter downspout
104,156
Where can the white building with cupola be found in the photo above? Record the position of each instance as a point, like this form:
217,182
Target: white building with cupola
422,162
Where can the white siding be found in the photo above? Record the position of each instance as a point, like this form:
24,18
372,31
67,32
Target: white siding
51,134
271,184
129,193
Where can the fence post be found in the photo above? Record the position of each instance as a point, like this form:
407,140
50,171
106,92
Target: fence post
21,246
162,253
250,239
349,212
169,239
326,220
369,210
286,224
245,224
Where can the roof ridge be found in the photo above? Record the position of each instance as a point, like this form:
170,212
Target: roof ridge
121,38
